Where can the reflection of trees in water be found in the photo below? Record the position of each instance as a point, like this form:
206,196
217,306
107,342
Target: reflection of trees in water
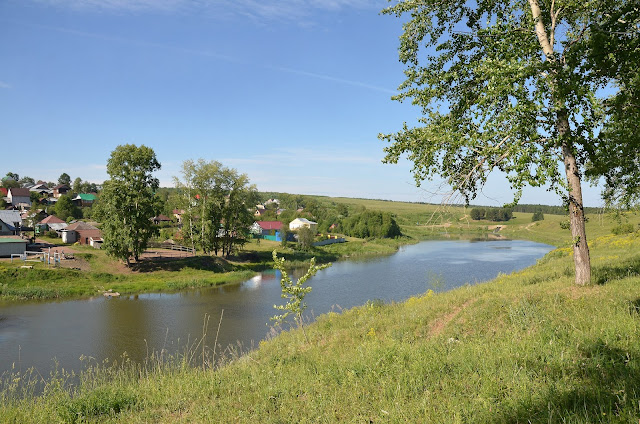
125,328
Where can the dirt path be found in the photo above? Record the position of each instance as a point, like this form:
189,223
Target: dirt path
438,326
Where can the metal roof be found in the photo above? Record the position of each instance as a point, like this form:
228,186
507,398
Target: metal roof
10,217
85,196
11,240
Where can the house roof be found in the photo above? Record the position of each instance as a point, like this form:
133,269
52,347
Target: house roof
161,218
270,225
79,226
9,217
21,192
11,240
87,197
304,220
59,186
38,187
51,219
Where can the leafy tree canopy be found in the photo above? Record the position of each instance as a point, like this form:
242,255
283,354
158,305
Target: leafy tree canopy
518,87
65,208
65,179
371,224
128,202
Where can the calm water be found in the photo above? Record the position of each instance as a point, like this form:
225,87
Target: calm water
33,334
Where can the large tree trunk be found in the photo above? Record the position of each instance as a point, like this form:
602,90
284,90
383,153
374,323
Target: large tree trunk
576,209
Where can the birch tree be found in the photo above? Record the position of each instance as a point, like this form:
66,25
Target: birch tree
516,86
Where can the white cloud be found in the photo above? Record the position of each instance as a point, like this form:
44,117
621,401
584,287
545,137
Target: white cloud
121,5
290,10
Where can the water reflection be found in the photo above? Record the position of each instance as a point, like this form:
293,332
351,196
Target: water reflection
34,333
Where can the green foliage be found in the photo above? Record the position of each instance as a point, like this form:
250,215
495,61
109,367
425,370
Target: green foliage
625,228
293,292
26,181
477,214
52,234
11,180
65,208
101,401
65,179
127,202
507,90
537,216
217,202
513,86
371,224
306,238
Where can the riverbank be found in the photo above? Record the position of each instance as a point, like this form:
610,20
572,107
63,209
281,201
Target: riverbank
529,346
95,273
91,272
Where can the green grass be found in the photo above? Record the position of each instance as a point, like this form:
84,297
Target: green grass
43,282
526,347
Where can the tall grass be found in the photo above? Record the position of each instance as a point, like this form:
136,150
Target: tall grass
526,347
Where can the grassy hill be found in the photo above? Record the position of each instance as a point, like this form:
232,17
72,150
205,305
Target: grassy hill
526,347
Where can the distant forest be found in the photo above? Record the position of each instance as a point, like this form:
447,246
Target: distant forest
551,210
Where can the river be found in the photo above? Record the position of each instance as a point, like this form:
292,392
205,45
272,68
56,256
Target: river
33,334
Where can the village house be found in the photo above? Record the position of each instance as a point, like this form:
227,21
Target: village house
80,232
268,230
160,219
177,213
60,189
96,242
10,222
52,223
298,223
19,197
84,199
12,246
41,189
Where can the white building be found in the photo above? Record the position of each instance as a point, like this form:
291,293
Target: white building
298,223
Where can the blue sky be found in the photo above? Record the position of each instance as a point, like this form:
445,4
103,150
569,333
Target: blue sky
291,92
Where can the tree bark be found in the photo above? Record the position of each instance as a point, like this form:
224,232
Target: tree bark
576,210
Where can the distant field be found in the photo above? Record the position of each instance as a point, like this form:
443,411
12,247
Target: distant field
428,220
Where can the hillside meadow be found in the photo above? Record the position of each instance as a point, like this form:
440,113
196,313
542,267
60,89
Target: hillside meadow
525,347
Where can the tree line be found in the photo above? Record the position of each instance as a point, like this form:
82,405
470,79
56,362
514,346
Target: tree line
491,214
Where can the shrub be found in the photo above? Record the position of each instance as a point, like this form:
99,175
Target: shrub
537,216
623,229
371,224
51,234
477,214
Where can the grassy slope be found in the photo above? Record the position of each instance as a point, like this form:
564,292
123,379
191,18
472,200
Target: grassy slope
526,347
